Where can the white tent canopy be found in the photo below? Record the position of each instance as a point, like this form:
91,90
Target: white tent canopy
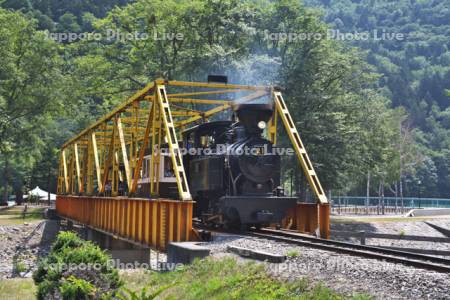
43,195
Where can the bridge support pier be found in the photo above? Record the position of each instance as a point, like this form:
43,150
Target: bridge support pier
121,251
311,218
69,225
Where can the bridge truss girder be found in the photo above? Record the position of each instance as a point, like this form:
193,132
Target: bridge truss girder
110,152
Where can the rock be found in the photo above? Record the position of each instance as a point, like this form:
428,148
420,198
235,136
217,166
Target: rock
22,243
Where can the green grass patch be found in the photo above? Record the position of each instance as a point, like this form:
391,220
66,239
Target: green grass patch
222,279
293,253
14,215
20,267
135,280
17,288
208,279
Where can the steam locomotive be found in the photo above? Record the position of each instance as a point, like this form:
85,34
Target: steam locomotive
232,170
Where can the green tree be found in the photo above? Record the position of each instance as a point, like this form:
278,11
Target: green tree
415,69
29,76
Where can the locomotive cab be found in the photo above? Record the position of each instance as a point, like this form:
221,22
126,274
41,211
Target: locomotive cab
204,164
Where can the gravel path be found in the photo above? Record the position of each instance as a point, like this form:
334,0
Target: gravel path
22,245
343,273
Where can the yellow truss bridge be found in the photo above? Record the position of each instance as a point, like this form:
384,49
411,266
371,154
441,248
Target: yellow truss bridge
108,156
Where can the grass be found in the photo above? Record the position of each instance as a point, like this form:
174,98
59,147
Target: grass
224,279
135,280
17,289
20,267
293,253
206,279
14,216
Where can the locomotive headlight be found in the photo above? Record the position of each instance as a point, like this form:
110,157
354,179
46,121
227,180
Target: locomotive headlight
262,125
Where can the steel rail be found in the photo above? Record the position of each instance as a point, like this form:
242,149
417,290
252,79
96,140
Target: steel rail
406,258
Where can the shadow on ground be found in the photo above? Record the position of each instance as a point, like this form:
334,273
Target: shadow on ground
37,242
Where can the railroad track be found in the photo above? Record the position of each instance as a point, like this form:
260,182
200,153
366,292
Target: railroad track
426,262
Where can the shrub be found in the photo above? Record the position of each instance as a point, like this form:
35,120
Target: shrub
60,274
66,239
73,289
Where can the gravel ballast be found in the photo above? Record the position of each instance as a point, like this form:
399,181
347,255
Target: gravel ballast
343,273
400,228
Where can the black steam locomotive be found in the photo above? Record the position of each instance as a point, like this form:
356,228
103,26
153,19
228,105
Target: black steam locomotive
233,171
236,182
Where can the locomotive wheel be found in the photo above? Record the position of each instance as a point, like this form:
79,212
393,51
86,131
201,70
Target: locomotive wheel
232,219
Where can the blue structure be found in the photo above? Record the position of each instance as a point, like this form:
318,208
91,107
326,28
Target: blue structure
409,202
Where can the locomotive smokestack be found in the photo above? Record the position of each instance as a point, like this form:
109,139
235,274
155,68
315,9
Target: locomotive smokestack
217,79
254,117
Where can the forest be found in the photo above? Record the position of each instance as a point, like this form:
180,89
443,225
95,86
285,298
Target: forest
374,115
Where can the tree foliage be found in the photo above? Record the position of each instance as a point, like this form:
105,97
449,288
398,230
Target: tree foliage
416,70
30,77
341,105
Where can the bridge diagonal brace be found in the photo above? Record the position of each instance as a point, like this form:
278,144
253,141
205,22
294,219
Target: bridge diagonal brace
172,141
300,150
77,167
124,152
155,155
66,177
142,150
89,167
96,160
116,169
108,160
